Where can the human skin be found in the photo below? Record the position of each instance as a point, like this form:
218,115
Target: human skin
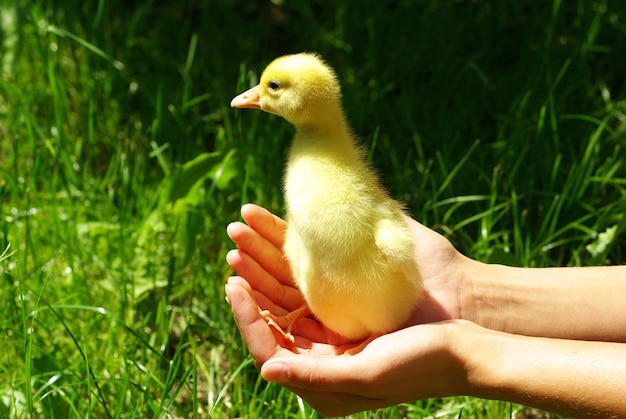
551,338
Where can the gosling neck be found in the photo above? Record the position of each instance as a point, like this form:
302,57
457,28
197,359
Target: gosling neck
330,132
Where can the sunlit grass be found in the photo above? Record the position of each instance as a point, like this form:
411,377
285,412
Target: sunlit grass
499,125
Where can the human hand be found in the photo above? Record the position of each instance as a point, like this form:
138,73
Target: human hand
409,364
259,259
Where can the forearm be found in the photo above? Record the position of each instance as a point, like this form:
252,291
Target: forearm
569,377
569,303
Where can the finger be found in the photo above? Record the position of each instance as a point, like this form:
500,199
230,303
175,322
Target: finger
260,280
313,330
241,282
263,302
267,224
256,333
261,250
311,373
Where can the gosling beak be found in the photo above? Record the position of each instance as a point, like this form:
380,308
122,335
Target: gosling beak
248,99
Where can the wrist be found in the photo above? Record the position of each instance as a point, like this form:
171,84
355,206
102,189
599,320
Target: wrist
463,346
477,350
487,295
471,289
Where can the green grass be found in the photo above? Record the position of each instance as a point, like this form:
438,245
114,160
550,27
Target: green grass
499,124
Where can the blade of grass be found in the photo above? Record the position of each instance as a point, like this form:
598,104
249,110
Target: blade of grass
84,43
78,346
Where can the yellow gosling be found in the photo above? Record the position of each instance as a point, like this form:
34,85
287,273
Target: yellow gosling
349,247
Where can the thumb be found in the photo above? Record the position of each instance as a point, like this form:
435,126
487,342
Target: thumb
312,373
276,371
332,386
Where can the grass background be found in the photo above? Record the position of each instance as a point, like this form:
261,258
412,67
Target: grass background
499,124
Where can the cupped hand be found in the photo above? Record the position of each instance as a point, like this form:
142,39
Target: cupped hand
260,261
411,363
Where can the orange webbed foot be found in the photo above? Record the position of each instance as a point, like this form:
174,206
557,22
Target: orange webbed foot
284,324
353,350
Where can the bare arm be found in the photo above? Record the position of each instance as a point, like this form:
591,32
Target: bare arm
570,303
570,377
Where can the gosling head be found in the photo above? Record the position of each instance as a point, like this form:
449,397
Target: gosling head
299,87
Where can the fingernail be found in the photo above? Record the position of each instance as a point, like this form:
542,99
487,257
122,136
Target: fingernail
231,257
226,287
229,228
275,371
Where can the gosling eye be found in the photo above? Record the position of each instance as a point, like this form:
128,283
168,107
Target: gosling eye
273,85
